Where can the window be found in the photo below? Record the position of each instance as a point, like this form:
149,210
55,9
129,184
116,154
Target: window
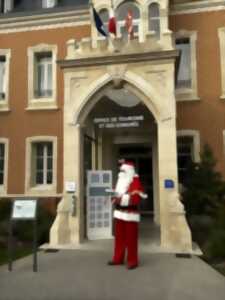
104,15
42,92
41,165
188,150
121,15
2,77
2,163
221,35
48,3
186,81
185,156
43,75
184,72
6,5
42,159
154,19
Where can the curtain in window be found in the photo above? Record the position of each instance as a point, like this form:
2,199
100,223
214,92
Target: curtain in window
44,76
184,72
154,18
2,79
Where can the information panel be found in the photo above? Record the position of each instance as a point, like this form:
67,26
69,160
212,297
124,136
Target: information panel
24,209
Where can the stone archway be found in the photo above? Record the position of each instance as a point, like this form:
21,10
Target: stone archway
151,77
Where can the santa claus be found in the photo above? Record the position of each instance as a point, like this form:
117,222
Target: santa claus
129,192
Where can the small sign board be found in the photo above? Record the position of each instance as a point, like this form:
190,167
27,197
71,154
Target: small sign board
70,186
169,184
24,209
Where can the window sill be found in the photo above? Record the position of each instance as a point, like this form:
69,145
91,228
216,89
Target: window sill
42,108
186,95
2,190
41,189
42,104
4,106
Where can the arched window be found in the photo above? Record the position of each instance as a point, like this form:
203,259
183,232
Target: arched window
154,18
121,14
104,15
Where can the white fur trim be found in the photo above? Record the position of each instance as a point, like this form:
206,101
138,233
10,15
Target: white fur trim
127,216
125,200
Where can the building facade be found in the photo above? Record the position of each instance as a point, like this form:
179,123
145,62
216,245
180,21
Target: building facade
72,100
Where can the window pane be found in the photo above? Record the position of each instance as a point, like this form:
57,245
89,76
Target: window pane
154,18
49,163
1,165
49,79
41,79
104,15
39,178
44,74
154,10
49,145
184,152
40,164
40,149
2,79
2,150
123,9
1,178
184,72
155,26
49,177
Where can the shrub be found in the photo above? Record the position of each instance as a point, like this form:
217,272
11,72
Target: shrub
204,187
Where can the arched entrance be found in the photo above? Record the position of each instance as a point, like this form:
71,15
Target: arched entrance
119,125
90,78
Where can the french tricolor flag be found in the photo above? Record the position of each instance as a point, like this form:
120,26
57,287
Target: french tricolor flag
112,22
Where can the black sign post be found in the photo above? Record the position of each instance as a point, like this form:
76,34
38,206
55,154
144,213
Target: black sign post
23,209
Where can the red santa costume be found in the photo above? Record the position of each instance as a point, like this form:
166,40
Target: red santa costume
129,192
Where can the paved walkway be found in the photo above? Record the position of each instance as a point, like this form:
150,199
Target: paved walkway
84,275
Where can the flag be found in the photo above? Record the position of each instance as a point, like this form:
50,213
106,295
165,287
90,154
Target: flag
112,23
129,24
98,23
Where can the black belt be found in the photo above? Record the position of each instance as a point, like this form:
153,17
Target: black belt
130,207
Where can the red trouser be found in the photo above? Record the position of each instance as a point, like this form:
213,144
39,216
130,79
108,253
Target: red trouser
126,237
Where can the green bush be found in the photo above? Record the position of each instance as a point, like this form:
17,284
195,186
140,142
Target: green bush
23,230
204,187
204,200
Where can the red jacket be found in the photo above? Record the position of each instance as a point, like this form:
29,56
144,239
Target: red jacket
127,205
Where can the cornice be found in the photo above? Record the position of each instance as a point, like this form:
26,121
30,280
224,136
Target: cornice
118,59
197,7
44,21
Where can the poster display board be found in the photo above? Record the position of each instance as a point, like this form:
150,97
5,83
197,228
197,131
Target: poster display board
24,209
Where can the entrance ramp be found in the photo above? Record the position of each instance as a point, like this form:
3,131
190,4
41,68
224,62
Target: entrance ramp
149,242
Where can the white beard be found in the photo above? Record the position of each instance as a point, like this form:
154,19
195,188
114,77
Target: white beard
123,182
